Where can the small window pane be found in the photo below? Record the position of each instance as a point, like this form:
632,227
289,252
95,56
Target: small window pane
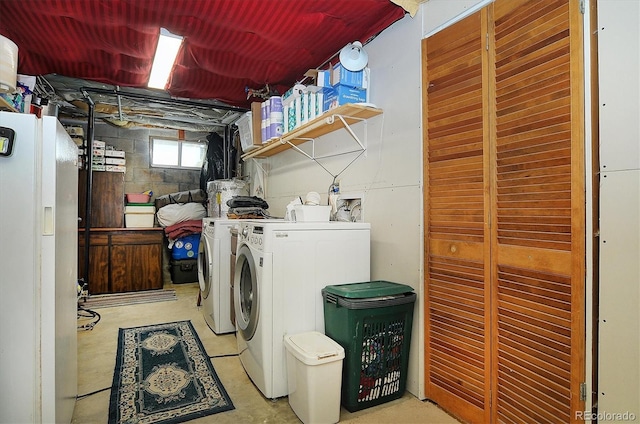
193,154
165,152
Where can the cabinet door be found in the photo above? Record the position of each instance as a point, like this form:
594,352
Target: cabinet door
136,267
457,355
136,261
98,278
107,200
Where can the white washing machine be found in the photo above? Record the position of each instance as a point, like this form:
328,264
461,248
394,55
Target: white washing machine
281,268
214,273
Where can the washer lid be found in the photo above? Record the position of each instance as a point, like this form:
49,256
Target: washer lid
313,348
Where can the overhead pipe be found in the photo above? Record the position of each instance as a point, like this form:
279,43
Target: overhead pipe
89,188
169,101
119,103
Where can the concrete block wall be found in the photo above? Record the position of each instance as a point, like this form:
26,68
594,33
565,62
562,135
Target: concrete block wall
140,176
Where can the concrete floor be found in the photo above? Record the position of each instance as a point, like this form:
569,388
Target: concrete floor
96,362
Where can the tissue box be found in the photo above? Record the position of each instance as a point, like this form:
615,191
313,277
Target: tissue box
308,213
341,94
355,79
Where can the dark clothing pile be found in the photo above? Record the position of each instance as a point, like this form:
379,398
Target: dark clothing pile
245,207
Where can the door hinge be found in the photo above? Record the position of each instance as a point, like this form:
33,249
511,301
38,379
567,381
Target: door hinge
487,46
583,391
582,7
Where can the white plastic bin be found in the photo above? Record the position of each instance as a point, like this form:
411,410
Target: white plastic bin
314,376
137,216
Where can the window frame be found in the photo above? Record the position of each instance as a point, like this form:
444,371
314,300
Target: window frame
180,143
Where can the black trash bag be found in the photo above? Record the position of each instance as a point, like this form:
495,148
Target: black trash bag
213,164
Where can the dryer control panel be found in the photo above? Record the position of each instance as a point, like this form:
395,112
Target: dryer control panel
253,235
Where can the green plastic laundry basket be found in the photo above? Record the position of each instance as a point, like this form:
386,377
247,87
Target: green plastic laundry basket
372,322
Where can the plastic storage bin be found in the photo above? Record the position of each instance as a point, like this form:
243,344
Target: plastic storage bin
138,198
186,247
314,375
372,322
184,271
139,215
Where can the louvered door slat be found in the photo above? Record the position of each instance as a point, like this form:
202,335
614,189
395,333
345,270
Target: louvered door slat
455,220
536,239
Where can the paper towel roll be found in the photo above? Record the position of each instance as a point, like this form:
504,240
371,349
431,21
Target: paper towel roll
8,65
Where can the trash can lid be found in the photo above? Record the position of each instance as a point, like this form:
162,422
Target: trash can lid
313,348
367,289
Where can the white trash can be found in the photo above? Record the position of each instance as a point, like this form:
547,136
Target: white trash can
314,375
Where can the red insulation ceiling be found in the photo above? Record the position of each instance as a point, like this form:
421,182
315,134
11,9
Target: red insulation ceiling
229,45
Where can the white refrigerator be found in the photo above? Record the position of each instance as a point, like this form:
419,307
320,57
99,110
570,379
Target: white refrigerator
38,272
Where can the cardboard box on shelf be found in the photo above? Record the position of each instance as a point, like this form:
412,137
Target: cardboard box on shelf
321,78
115,161
115,168
355,79
340,94
114,153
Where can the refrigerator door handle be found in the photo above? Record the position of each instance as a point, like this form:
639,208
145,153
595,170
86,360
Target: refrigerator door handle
48,221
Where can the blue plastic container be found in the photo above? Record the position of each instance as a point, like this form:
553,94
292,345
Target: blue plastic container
186,247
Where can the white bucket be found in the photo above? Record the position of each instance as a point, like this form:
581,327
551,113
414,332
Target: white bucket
8,65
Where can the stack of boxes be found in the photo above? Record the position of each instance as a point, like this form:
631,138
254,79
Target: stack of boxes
277,116
139,212
106,158
77,135
332,88
347,87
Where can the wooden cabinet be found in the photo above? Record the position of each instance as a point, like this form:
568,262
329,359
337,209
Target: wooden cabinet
122,260
107,199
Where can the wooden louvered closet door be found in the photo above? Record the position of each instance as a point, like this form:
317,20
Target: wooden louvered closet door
504,214
456,171
538,209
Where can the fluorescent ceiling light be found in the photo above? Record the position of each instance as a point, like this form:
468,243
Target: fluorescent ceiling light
166,52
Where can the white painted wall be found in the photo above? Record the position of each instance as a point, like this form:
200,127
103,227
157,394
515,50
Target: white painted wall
389,173
619,95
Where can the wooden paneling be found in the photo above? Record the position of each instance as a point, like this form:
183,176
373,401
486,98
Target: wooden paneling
107,201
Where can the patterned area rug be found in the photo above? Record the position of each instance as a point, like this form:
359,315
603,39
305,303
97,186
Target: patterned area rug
163,375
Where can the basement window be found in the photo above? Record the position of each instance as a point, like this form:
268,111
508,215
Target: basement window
171,153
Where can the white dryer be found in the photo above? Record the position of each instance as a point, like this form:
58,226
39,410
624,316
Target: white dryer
281,268
214,275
